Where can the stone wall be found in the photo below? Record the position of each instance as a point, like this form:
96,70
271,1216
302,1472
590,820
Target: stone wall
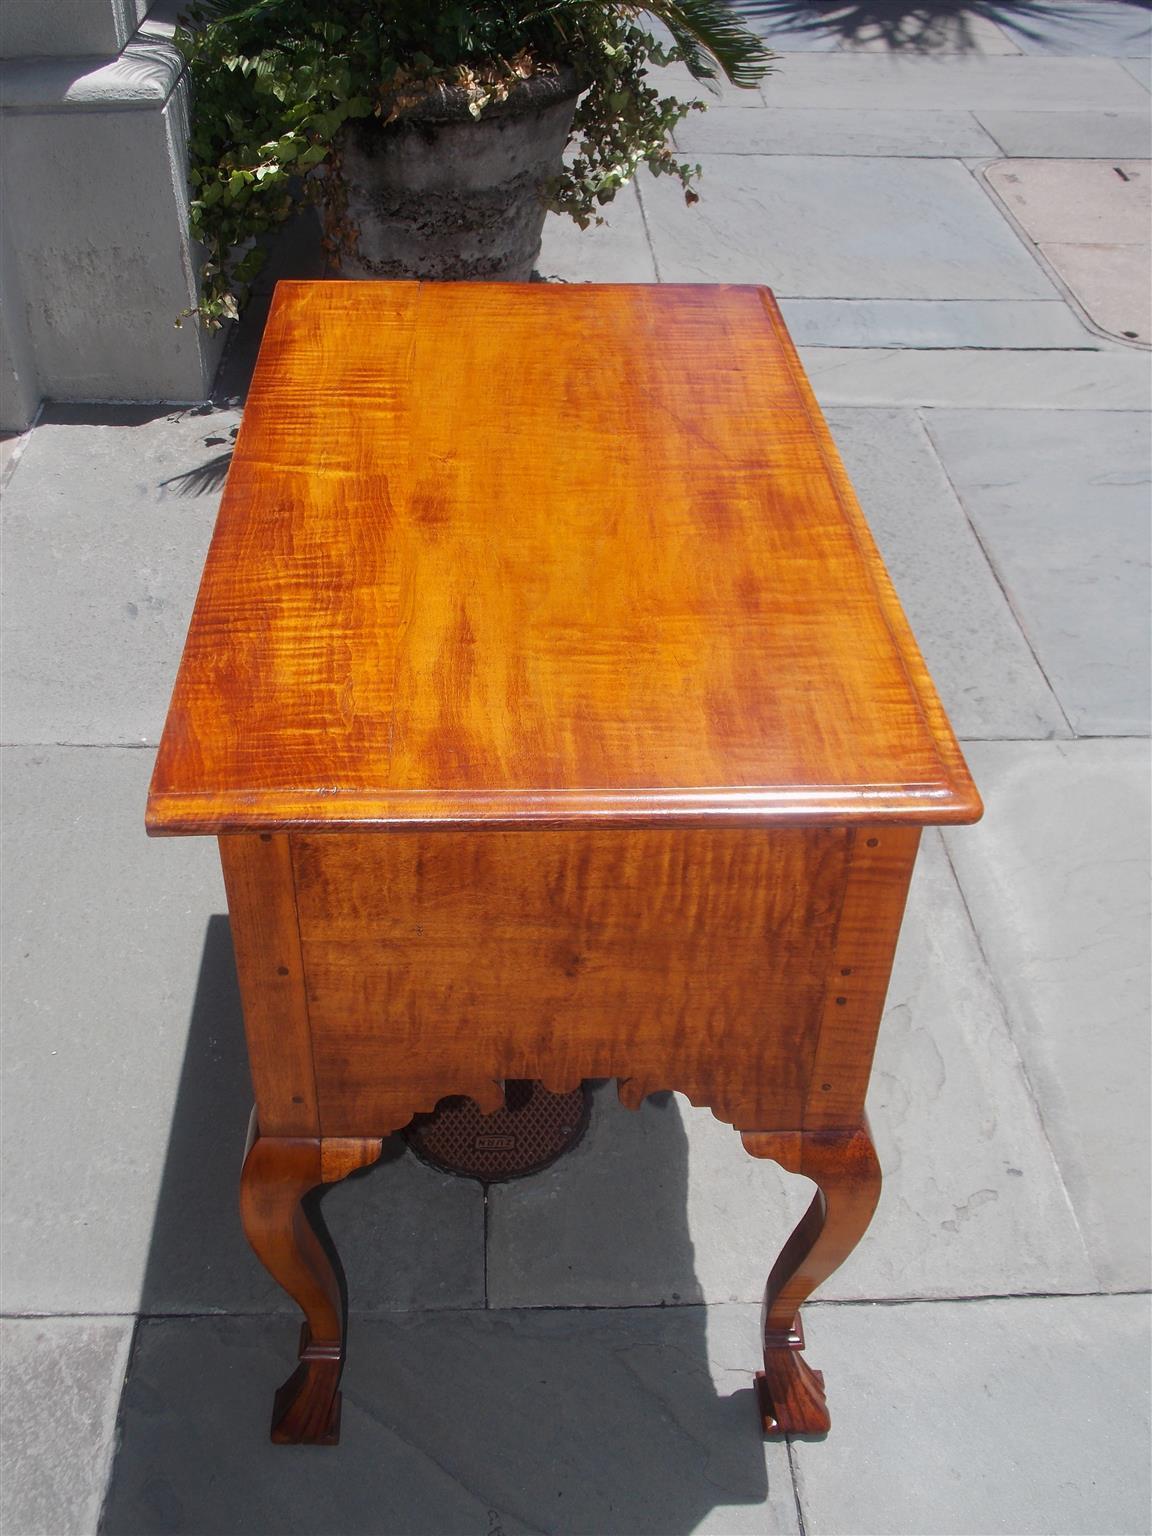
95,260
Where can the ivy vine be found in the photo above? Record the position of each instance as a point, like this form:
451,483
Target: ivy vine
274,81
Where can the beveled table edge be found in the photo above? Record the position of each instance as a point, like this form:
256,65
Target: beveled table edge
190,814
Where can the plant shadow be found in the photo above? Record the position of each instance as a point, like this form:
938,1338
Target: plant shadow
913,26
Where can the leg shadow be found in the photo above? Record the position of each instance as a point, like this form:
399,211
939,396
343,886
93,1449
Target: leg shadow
458,1416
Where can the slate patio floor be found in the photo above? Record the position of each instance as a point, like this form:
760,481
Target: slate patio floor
574,1354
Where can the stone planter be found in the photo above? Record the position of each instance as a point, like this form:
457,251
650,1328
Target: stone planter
440,194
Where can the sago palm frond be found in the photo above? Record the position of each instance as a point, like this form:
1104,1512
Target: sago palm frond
707,30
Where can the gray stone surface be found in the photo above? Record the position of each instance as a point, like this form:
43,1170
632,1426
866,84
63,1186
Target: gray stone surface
664,1206
1061,506
102,561
610,1224
1046,325
67,26
789,131
19,383
675,80
104,259
142,77
1110,283
1075,200
1042,381
124,1056
987,676
1057,880
1140,70
930,30
863,82
1084,135
10,445
986,1418
616,251
788,30
513,1423
1092,27
61,1387
842,228
1091,220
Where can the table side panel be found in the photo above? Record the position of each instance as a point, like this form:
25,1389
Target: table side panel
874,896
442,963
262,912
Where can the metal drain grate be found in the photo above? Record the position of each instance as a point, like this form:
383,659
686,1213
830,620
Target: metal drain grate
533,1129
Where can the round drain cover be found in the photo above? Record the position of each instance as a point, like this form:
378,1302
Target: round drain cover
532,1130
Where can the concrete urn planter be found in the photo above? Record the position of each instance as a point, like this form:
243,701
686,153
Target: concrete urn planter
440,194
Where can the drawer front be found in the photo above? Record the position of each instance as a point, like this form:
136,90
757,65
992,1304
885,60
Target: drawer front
443,962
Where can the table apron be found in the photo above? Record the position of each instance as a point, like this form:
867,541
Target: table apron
745,968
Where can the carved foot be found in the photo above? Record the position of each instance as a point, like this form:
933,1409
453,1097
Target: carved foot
278,1173
847,1175
306,1409
789,1391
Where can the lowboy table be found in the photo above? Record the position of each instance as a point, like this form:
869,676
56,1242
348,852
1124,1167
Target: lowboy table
557,720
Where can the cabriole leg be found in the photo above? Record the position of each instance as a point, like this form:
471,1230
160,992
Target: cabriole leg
278,1172
847,1175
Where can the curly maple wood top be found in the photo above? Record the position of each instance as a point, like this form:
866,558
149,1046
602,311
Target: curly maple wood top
505,553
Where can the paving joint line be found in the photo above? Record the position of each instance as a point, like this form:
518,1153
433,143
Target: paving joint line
1006,1011
117,1444
800,1521
626,1306
487,1305
23,438
1007,596
647,232
87,746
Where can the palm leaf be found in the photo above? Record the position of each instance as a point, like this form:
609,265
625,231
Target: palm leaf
212,11
707,30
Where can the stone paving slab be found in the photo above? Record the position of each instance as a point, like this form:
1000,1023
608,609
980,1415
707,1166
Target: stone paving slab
103,932
927,30
794,131
122,1162
1076,200
1060,503
476,1422
675,80
862,82
786,28
1111,283
1091,221
615,252
830,227
663,1205
101,565
1064,135
1140,70
984,1418
1092,27
11,446
987,676
1046,325
62,1378
1015,382
1057,880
